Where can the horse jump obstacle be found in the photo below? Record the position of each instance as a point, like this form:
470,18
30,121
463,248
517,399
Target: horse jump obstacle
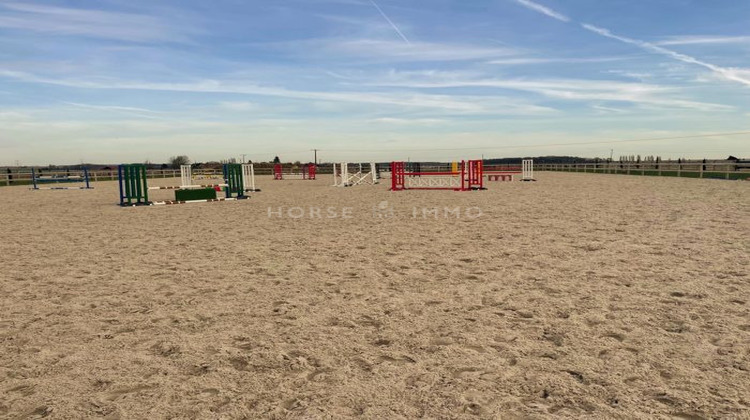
40,179
342,177
469,177
526,170
308,172
134,187
186,176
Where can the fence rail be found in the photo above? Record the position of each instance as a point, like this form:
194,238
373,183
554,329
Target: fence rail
714,170
23,177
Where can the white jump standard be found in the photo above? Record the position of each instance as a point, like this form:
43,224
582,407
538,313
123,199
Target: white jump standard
527,168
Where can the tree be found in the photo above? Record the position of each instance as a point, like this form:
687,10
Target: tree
176,161
276,160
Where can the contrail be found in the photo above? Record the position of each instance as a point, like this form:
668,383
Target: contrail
391,22
543,9
728,73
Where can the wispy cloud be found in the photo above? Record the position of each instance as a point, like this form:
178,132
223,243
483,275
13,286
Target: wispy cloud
563,89
458,104
393,25
608,110
238,106
642,77
378,50
14,116
112,108
704,39
87,22
544,10
408,121
520,61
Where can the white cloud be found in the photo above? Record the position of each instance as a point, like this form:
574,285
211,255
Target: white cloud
544,10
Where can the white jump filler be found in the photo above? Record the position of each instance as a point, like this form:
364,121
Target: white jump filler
343,178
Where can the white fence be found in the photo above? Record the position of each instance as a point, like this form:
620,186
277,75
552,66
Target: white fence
23,176
692,169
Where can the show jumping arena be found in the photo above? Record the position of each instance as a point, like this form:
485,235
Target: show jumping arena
577,296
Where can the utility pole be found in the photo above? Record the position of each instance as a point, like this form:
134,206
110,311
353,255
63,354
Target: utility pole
611,153
316,156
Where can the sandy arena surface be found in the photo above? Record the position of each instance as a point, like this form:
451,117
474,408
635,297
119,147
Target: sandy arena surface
594,296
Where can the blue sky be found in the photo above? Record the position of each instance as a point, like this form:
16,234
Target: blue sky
128,81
